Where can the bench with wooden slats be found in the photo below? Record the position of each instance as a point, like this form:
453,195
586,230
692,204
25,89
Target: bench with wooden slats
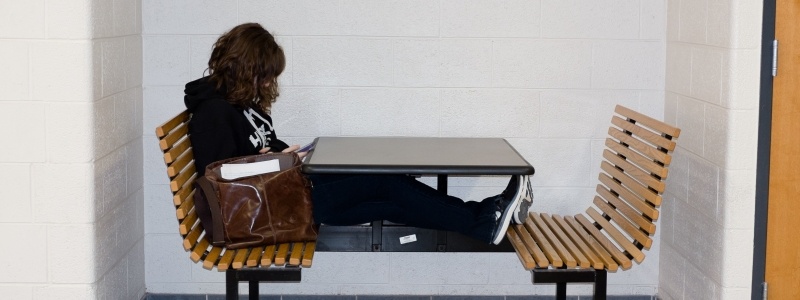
619,225
174,142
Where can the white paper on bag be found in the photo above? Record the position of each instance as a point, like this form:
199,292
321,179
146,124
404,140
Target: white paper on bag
233,171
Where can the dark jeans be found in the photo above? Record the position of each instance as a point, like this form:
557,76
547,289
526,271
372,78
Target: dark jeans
359,199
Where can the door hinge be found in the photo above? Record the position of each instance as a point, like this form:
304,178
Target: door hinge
764,291
774,58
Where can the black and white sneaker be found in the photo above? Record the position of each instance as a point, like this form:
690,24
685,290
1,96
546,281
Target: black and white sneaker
521,213
507,205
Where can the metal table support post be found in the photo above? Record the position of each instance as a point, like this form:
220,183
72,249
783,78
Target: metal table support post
441,236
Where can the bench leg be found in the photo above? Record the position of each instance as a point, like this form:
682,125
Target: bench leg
600,284
231,285
253,290
561,291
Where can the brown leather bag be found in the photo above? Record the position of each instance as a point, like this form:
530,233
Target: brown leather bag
264,209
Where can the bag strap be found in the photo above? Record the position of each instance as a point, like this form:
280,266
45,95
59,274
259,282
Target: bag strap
213,206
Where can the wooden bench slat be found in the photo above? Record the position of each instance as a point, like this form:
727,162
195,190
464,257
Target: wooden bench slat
631,183
266,258
607,244
594,260
627,210
564,239
533,249
255,256
211,258
179,164
186,192
551,237
634,171
188,222
638,159
644,134
186,176
640,146
199,250
182,147
308,254
191,239
171,124
615,234
239,258
598,249
173,137
656,125
183,210
225,261
296,254
280,256
628,197
623,223
528,263
538,236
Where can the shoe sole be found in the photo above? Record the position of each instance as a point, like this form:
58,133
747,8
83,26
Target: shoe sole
508,215
521,213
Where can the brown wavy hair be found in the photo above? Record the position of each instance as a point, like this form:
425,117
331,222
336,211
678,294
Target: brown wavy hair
243,61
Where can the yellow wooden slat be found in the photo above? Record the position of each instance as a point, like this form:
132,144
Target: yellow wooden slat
188,222
172,137
239,258
629,197
631,184
186,192
623,223
199,250
308,254
640,146
634,171
169,125
540,239
211,258
654,124
225,261
644,134
638,159
524,256
183,210
595,261
627,211
266,258
297,254
604,242
183,146
179,164
280,256
551,237
615,234
562,236
190,239
530,244
187,175
255,256
602,253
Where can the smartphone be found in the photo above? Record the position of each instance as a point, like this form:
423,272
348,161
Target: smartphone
306,148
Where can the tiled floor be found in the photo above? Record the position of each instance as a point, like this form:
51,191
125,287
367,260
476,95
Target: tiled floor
373,297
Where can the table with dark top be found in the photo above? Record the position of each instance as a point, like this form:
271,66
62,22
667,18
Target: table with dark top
413,156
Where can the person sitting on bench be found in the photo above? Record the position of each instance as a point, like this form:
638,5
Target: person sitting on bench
230,117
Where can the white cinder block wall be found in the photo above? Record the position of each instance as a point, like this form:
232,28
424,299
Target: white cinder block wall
712,93
71,160
543,73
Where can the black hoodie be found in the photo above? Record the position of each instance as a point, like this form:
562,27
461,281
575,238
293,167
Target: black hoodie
220,130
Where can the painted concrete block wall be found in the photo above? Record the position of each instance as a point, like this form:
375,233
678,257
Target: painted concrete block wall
72,162
712,88
544,74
